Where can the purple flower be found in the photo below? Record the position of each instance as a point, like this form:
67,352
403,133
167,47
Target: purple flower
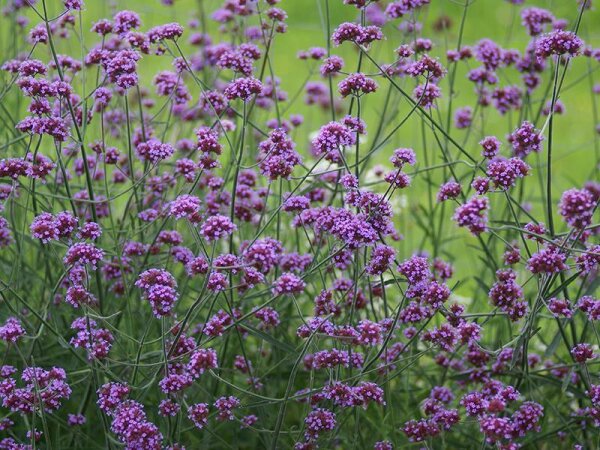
243,88
278,155
356,84
78,295
225,407
504,172
449,190
125,21
168,408
73,4
83,253
403,156
577,207
547,260
418,431
488,53
507,294
463,118
534,19
76,419
589,261
12,330
185,206
331,65
431,68
202,360
560,307
110,395
426,94
198,413
507,98
525,139
121,67
44,228
369,333
582,352
288,283
491,147
401,8
133,429
169,31
154,151
472,215
90,230
382,257
159,289
333,136
217,282
558,42
352,32
217,227
319,420
97,341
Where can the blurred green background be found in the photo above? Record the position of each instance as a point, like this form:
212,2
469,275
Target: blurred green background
576,144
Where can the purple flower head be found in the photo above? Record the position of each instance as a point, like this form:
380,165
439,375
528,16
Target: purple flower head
319,420
472,214
83,253
490,146
426,94
243,88
73,4
403,156
548,260
202,360
278,155
125,21
559,43
504,172
198,414
217,227
154,151
356,84
582,352
12,330
169,31
331,65
352,32
535,19
525,139
331,137
449,190
225,407
577,207
400,8
560,307
76,420
185,206
288,283
111,395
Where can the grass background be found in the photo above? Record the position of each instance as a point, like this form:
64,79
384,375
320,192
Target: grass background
576,147
575,153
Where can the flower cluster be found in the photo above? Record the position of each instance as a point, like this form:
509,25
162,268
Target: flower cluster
159,289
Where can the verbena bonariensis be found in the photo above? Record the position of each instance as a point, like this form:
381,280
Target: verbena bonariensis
402,251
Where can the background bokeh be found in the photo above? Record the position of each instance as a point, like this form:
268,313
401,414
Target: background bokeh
576,151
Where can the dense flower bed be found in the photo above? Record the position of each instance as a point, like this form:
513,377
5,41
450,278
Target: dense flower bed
186,264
